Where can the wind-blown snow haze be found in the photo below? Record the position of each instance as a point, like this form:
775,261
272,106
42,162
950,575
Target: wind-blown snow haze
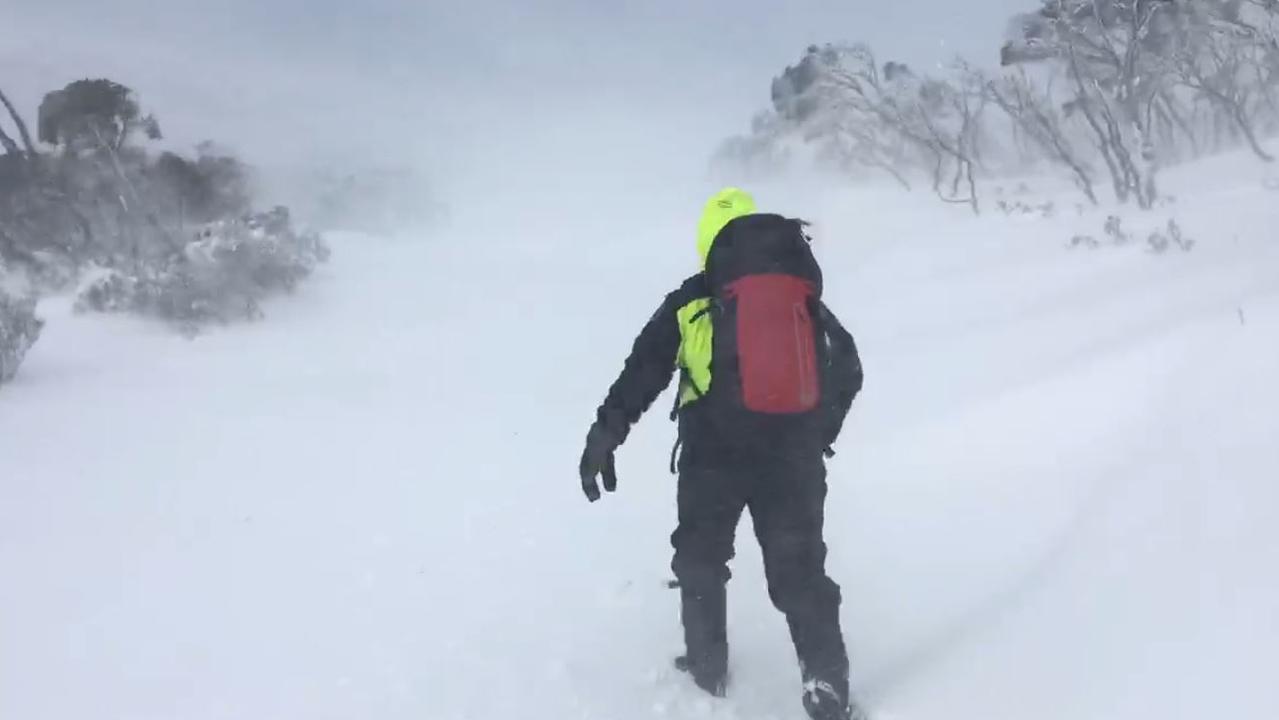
1055,497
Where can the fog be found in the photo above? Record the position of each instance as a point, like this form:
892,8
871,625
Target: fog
482,97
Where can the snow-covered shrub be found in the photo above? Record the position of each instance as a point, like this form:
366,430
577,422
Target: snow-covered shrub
1045,210
1115,230
221,275
19,330
1161,241
1085,241
168,236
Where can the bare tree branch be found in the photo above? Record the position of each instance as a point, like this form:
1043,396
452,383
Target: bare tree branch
1036,116
1216,70
22,125
10,147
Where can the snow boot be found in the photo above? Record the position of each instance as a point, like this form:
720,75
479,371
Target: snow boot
823,702
712,682
704,615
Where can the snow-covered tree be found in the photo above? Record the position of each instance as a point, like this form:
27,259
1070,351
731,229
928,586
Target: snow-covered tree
1115,54
1100,89
1155,80
169,236
864,116
92,115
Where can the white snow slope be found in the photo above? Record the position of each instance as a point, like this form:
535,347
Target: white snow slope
1057,497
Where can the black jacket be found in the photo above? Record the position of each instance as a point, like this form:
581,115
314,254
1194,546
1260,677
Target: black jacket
652,364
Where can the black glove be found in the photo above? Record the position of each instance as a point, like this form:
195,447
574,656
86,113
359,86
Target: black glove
597,460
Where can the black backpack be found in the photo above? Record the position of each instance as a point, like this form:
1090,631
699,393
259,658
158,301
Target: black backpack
769,353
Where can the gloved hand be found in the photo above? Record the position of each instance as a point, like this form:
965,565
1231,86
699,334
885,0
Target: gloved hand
597,460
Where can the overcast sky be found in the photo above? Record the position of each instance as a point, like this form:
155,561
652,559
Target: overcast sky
463,82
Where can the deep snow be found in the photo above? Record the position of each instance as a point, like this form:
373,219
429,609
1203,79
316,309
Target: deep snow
1056,497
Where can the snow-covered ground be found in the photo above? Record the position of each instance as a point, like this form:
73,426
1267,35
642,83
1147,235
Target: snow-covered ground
1057,497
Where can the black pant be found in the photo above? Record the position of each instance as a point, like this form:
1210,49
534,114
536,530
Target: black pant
786,496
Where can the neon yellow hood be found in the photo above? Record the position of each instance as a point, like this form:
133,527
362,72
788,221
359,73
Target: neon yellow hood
726,205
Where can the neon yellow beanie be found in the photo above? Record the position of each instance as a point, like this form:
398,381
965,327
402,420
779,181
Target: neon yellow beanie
724,207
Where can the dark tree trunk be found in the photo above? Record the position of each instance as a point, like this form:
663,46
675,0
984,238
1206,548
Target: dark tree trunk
22,125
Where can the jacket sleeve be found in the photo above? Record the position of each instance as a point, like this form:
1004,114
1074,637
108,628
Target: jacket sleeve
844,371
647,372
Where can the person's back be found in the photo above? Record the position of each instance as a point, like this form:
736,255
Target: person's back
767,376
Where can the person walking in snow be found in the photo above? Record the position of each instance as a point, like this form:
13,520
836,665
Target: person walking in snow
767,377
